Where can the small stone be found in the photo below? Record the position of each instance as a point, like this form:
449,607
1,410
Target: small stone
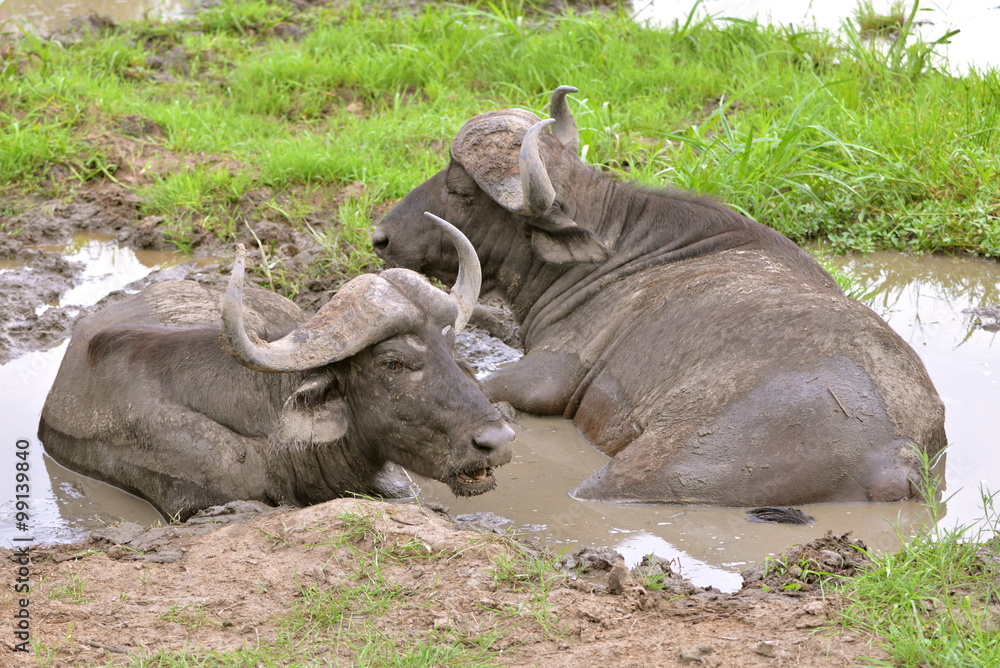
697,653
765,648
815,608
620,578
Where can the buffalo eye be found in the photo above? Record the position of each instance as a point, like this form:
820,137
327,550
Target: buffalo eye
394,365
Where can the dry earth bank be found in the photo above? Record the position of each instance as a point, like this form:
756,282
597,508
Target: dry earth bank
227,579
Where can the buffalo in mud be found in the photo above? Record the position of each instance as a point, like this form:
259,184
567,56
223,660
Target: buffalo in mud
714,360
286,410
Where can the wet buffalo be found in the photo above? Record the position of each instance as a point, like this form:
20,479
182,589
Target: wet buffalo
285,410
713,359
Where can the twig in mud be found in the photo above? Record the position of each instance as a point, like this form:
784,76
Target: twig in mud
830,390
100,645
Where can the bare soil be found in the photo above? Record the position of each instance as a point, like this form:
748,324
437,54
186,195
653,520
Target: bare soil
225,579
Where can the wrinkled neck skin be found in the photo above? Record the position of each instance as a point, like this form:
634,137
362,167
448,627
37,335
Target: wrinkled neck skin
319,472
298,473
642,228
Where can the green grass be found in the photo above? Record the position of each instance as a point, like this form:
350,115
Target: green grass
72,590
826,137
936,602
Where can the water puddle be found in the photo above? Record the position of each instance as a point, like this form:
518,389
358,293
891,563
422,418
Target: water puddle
923,298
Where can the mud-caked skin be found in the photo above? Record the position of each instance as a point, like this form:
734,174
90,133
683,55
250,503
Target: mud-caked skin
148,399
713,359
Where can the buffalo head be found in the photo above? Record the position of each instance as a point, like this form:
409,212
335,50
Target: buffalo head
378,366
508,168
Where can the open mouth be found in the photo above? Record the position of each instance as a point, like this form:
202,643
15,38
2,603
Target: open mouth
473,481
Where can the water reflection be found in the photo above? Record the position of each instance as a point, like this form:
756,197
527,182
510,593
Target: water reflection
924,299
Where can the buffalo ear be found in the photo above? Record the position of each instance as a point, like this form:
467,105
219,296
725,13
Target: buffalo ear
557,239
315,413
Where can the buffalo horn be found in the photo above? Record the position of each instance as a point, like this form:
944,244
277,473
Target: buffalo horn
470,275
368,309
536,188
565,127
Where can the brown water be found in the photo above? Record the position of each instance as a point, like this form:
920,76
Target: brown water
921,297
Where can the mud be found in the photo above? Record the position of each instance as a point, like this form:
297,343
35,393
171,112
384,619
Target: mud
804,568
225,579
27,287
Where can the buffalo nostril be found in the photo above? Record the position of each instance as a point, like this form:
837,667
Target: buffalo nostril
494,439
380,241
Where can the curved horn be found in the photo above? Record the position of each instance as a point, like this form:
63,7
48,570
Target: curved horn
366,310
536,187
470,273
565,127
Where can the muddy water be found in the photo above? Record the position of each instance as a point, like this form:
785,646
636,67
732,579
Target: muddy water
922,298
64,505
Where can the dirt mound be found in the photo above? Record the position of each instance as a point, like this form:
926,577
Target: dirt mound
246,578
804,568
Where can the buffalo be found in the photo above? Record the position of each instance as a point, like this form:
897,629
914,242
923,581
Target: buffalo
284,409
711,358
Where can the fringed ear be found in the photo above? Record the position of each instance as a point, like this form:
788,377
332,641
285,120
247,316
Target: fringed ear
314,415
574,245
557,239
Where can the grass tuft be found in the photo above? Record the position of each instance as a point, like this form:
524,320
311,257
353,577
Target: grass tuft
936,602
